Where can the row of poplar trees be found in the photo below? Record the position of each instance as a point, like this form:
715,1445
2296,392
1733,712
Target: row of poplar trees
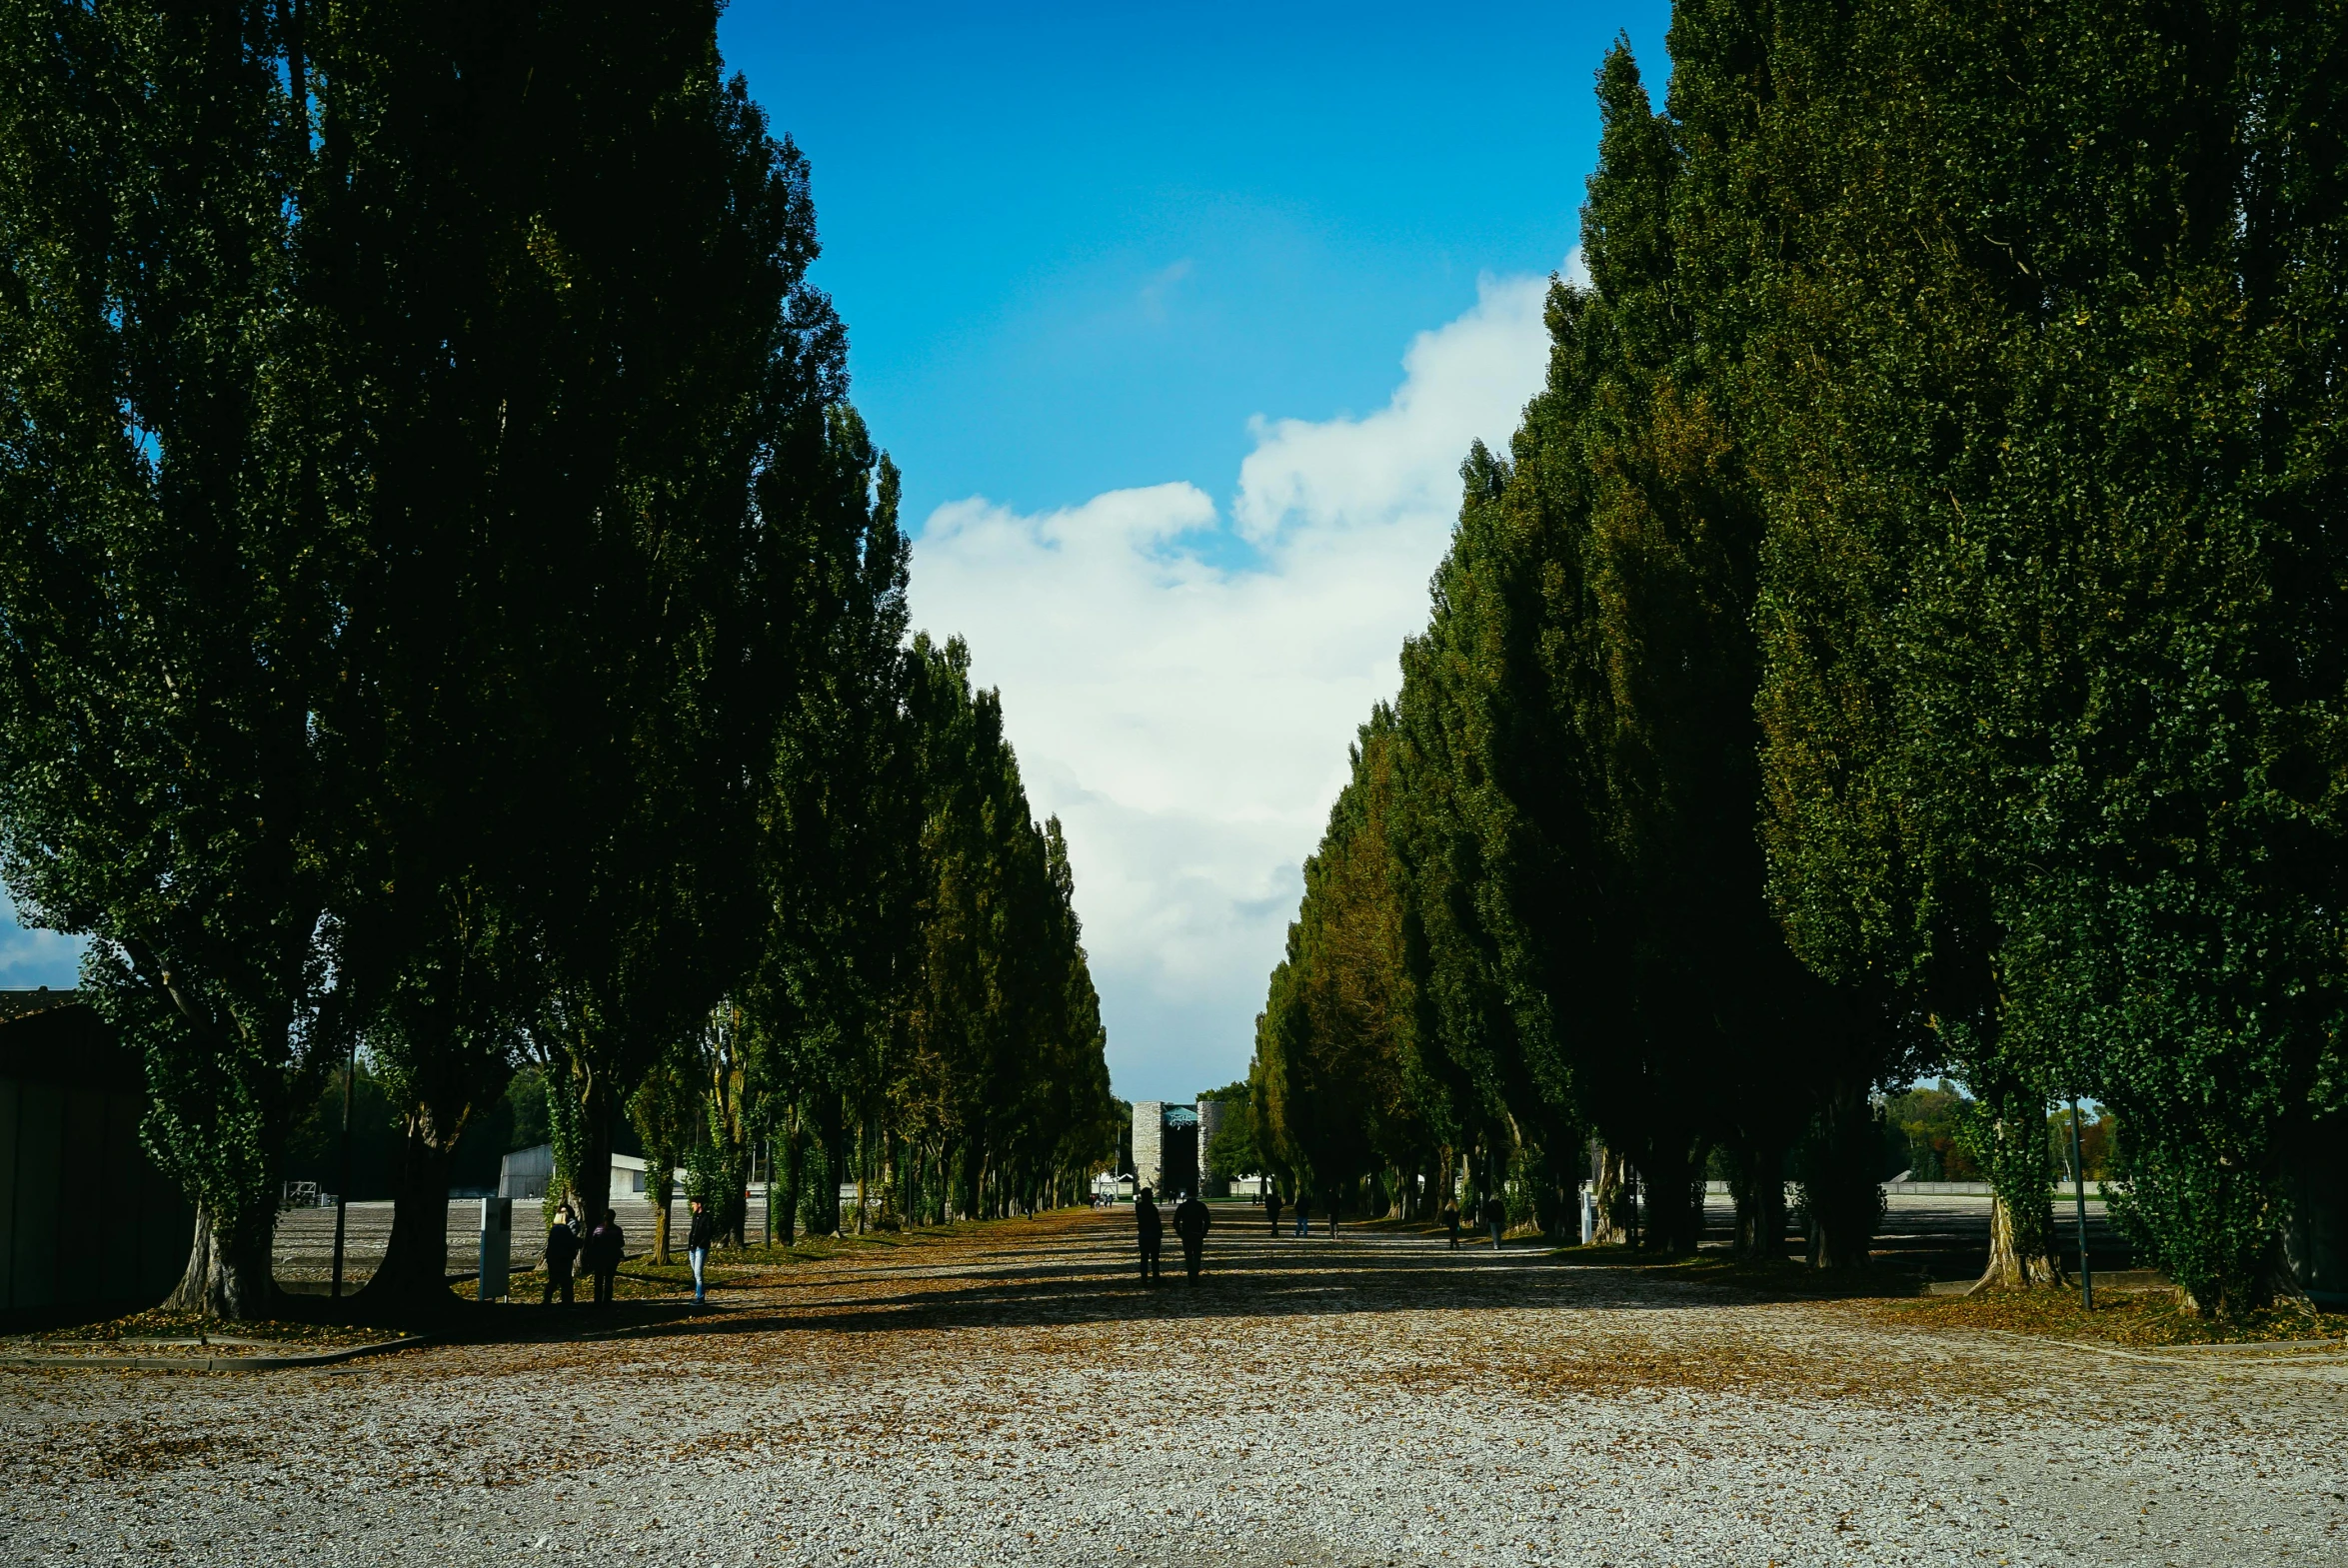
1905,633
448,604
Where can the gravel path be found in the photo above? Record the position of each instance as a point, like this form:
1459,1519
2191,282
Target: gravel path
1010,1395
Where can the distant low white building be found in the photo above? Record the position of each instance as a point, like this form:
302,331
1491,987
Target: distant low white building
1113,1190
525,1173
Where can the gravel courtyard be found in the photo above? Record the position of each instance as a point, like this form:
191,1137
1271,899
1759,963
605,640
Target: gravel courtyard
1012,1395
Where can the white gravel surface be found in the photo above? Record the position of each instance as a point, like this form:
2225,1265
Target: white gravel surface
1010,1395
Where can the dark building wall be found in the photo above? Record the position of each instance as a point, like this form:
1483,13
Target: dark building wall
2317,1240
85,1218
1181,1155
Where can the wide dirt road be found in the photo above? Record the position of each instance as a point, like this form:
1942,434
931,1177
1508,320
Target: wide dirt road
1012,1395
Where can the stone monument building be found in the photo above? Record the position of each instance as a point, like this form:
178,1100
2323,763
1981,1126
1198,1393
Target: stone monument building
1148,1145
1213,1114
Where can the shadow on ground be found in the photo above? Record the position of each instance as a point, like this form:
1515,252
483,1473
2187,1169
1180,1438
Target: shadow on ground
1081,1268
1075,1270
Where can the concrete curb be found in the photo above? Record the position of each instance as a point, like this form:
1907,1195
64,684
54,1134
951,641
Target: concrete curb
2307,1352
214,1363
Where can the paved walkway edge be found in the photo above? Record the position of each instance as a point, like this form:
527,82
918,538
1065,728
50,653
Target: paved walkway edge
2184,1355
216,1363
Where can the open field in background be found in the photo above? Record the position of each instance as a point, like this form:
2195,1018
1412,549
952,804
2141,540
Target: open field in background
1940,1237
1011,1393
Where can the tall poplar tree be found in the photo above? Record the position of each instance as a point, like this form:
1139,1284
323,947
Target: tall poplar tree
178,545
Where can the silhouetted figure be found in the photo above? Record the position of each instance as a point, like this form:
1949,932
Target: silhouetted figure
562,1250
696,1248
1272,1201
1452,1220
1332,1218
1304,1216
1496,1217
1192,1222
605,1245
1150,1229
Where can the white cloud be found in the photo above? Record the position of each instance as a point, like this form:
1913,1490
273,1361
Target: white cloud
36,958
1189,720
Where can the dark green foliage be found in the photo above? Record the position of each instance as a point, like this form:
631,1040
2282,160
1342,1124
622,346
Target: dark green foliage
179,541
447,598
1337,1090
1927,1123
2052,682
1236,1149
1001,1077
1937,478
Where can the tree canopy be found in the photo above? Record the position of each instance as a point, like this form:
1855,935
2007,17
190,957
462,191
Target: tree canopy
1902,635
453,609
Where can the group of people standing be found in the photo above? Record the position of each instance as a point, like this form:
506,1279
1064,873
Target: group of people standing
1192,1222
1495,1219
1303,1219
601,1250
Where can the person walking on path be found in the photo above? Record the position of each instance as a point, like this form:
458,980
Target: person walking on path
561,1247
697,1249
1304,1216
1332,1216
1272,1201
1152,1230
1192,1222
605,1245
1452,1220
1496,1217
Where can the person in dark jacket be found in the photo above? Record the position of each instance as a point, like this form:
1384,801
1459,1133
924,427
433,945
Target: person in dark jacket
562,1250
1272,1201
1496,1217
1333,1214
604,1247
696,1248
1151,1231
1192,1222
1452,1221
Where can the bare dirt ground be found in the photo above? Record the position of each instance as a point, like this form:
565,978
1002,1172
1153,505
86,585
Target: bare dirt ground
1012,1394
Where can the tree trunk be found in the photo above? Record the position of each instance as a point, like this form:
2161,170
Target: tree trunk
1675,1212
787,1232
1841,1192
665,1196
590,1182
415,1267
2021,1219
230,1275
2014,1263
863,1165
1612,1200
1759,1191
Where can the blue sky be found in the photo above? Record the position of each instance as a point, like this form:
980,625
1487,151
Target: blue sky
1178,321
1077,246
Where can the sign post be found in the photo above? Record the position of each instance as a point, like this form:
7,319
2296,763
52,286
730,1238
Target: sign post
497,1232
2079,1194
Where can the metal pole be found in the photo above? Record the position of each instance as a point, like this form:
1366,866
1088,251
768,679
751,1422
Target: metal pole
342,1197
2079,1193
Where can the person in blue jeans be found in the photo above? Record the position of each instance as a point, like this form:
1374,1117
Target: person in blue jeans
1304,1216
697,1249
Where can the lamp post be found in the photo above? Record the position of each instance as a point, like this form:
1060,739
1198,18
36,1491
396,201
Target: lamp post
2079,1195
342,1197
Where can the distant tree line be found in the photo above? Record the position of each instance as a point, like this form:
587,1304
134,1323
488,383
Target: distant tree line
1904,635
449,607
